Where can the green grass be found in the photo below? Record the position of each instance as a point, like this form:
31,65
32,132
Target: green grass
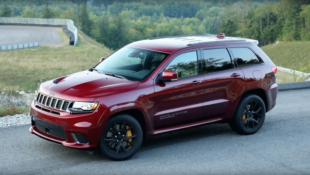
293,55
25,69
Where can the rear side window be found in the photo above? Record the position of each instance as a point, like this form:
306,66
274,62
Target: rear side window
217,60
244,57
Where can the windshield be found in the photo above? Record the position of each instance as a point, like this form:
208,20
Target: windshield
131,63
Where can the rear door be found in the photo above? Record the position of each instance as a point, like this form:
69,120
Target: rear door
224,82
177,102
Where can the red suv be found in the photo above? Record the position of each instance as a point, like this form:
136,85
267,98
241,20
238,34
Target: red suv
156,86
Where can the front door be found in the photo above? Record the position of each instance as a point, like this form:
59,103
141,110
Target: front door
179,102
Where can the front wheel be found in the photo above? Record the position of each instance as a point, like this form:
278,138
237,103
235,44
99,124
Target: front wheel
250,115
121,138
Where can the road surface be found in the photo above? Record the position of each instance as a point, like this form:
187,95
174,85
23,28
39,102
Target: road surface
10,35
282,146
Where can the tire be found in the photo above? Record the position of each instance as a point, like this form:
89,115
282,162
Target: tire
121,138
249,116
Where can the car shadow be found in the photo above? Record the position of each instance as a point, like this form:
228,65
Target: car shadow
187,135
152,143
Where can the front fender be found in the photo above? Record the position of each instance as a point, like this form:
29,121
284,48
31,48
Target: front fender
122,108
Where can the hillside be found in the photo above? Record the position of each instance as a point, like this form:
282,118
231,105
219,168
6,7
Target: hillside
25,69
293,55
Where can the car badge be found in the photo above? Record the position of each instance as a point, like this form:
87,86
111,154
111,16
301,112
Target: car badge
51,93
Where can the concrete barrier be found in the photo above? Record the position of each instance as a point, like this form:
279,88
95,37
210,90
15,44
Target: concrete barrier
293,86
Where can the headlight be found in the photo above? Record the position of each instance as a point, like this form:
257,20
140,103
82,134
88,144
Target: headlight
85,106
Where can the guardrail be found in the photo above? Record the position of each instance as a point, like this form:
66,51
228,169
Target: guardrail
44,22
19,46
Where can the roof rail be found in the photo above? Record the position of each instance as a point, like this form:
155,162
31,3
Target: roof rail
218,41
178,36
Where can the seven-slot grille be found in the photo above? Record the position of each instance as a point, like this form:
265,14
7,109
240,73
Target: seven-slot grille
52,102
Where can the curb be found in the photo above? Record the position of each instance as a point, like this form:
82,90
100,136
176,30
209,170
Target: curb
291,71
293,86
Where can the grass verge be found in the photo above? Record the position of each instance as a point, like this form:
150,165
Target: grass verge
293,55
25,69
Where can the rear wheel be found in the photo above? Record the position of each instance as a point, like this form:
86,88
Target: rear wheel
250,115
121,138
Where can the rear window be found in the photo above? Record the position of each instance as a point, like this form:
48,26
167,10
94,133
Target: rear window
244,57
217,60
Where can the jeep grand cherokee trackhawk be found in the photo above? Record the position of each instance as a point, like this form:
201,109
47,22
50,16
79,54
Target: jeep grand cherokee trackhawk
156,86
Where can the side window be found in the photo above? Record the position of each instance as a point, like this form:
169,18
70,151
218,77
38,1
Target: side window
185,65
217,60
244,57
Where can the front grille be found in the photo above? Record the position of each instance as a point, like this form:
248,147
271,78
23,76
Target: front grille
52,102
59,103
65,105
50,128
48,101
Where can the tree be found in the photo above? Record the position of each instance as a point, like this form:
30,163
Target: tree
84,21
117,33
29,12
305,14
70,14
6,11
47,13
229,27
101,30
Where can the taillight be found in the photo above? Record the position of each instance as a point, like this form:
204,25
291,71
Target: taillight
274,69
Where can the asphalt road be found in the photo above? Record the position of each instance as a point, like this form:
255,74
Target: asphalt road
28,34
282,146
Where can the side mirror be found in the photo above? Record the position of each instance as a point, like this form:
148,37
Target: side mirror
169,75
102,59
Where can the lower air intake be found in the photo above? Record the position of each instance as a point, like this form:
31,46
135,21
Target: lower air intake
79,138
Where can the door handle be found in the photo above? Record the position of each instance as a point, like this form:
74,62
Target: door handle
196,82
235,75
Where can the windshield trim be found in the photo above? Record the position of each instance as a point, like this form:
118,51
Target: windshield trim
149,50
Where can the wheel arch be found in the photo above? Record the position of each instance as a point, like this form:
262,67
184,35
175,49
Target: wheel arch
259,92
135,113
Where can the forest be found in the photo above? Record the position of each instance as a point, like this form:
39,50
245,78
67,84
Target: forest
116,23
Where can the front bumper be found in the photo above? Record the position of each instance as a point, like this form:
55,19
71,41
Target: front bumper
70,130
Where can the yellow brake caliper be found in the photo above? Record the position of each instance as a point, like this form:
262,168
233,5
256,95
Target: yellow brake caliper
243,117
128,134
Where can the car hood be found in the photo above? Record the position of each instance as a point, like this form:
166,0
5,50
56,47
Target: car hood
86,85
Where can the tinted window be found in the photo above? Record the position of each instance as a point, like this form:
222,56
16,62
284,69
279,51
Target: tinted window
185,65
244,57
217,60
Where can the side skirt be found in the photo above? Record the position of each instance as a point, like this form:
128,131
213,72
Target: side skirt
160,131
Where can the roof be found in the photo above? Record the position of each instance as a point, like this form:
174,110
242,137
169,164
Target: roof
172,43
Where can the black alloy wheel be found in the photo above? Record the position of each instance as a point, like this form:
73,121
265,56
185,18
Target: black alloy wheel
121,138
250,115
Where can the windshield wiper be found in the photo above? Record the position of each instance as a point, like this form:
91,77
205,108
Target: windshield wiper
115,75
94,69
